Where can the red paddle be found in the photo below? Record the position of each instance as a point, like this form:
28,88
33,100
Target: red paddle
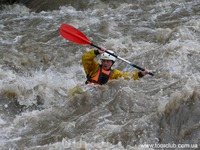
71,33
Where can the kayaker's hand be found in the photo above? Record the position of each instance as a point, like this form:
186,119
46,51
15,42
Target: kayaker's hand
145,72
102,50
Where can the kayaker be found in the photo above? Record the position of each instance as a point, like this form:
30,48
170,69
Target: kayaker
99,74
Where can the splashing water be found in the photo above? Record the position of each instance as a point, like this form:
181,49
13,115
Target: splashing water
38,67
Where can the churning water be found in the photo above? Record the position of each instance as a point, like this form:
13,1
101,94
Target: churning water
38,67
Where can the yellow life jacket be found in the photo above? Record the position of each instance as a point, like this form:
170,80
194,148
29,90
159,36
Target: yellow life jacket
100,78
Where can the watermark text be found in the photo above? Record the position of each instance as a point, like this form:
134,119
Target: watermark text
169,145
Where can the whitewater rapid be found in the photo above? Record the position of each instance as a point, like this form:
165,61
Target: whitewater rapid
38,67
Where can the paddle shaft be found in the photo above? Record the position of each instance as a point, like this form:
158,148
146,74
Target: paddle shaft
124,60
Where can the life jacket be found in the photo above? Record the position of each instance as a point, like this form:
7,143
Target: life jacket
100,78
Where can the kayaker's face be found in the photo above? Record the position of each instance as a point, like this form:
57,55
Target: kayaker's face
106,64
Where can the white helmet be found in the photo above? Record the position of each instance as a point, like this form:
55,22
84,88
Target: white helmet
107,56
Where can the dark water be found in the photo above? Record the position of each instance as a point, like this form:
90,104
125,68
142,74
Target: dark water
38,67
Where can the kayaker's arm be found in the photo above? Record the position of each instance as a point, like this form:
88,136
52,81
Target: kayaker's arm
117,74
90,65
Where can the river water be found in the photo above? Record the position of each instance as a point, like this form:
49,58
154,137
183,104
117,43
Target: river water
38,67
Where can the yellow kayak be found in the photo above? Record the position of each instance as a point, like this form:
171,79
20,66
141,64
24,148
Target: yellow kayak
79,89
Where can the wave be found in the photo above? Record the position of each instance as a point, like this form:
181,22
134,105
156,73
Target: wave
38,67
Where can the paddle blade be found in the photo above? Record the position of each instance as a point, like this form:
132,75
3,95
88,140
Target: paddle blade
71,33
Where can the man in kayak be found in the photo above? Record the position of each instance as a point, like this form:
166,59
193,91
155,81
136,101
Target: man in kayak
100,74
